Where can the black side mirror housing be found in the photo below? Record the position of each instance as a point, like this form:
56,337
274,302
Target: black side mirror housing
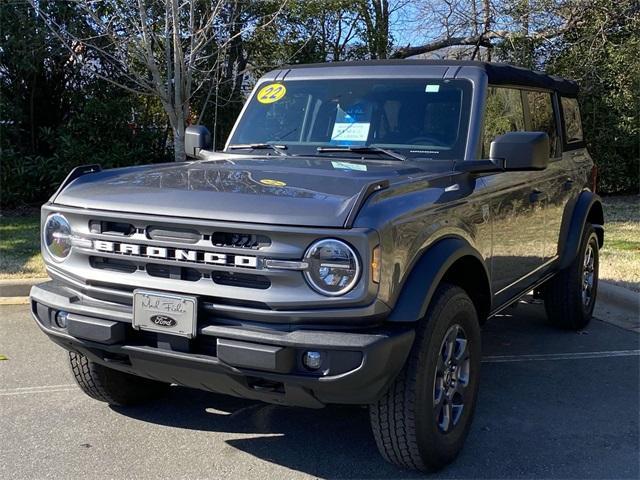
521,151
196,138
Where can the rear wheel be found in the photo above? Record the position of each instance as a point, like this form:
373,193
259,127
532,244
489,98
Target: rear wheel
570,296
423,419
112,386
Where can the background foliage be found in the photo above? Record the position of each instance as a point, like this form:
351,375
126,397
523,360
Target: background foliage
55,113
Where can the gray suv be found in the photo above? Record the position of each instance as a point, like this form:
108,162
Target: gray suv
361,224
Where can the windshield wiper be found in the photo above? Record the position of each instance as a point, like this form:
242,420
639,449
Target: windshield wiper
279,149
363,149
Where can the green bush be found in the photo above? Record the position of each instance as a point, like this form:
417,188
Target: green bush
100,132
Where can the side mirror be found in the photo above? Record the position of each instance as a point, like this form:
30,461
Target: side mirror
521,151
196,138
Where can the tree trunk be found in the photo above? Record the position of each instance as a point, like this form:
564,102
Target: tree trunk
178,143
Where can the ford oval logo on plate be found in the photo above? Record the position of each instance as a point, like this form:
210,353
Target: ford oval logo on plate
163,321
165,313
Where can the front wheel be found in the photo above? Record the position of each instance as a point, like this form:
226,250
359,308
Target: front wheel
570,296
112,386
423,419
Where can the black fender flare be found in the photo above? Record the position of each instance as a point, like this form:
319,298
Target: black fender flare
73,174
587,207
427,273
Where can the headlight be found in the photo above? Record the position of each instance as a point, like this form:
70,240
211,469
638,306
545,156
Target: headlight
56,236
333,267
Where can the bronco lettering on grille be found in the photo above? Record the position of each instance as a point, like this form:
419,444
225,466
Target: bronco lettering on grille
195,256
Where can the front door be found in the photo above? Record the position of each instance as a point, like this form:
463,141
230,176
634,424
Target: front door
517,202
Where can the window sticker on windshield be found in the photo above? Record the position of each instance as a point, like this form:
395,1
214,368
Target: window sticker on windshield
350,132
352,123
271,93
349,166
432,88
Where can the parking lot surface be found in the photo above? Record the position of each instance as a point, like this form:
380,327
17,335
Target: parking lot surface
552,404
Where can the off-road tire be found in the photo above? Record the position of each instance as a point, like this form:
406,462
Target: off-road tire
404,420
112,386
563,294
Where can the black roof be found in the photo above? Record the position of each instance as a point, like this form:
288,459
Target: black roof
497,73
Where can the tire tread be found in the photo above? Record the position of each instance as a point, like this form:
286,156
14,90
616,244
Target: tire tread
393,417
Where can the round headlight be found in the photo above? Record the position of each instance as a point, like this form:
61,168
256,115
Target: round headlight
333,267
56,236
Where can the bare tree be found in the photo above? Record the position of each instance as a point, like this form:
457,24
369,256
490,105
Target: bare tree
163,48
376,16
472,25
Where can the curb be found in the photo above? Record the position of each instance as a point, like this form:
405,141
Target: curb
619,296
618,306
20,287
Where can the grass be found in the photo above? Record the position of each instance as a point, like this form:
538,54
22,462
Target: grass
619,260
620,257
20,247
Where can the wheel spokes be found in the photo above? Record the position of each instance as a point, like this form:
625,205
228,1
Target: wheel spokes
461,350
451,379
444,416
449,345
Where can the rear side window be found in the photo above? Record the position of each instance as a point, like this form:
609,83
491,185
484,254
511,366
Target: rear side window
572,121
542,119
504,113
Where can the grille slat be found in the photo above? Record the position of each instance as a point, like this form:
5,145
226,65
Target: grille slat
240,240
174,235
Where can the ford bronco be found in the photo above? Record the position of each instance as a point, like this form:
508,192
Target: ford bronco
360,225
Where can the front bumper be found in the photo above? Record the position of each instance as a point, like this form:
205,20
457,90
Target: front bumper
243,359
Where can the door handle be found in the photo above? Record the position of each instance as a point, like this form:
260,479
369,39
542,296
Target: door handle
535,196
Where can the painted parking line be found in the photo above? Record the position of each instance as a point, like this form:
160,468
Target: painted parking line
559,356
38,389
490,359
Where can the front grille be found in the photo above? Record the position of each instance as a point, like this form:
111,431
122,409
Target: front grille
224,264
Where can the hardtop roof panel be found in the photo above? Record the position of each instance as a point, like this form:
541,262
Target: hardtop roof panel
497,73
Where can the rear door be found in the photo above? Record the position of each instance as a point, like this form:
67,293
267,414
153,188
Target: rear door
557,180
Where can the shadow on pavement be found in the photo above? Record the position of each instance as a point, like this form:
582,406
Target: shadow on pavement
546,419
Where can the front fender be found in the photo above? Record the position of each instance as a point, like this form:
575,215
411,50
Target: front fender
426,275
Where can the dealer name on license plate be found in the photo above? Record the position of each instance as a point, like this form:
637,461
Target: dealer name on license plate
165,313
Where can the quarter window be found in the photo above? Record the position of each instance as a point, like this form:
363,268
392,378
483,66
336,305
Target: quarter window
542,119
504,113
572,121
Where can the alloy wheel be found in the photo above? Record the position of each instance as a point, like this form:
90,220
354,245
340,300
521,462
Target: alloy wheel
451,379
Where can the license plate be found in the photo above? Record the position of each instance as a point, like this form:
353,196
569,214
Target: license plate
165,313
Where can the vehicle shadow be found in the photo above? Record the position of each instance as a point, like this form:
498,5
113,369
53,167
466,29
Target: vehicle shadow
534,419
333,442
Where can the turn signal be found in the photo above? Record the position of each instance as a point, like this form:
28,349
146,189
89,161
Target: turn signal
375,264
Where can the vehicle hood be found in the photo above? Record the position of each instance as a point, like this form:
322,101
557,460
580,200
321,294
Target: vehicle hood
271,190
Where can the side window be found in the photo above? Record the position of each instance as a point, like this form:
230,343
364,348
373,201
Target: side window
572,121
503,114
542,118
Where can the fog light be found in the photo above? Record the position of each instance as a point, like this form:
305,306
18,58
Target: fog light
312,360
61,319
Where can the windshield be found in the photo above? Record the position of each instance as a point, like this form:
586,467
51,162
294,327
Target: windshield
422,118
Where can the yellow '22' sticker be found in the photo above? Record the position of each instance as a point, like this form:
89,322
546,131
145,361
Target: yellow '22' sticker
271,93
273,183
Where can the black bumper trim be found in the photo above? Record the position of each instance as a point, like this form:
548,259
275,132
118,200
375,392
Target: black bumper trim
372,359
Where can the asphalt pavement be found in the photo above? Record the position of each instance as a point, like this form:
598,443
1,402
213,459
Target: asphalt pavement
552,404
